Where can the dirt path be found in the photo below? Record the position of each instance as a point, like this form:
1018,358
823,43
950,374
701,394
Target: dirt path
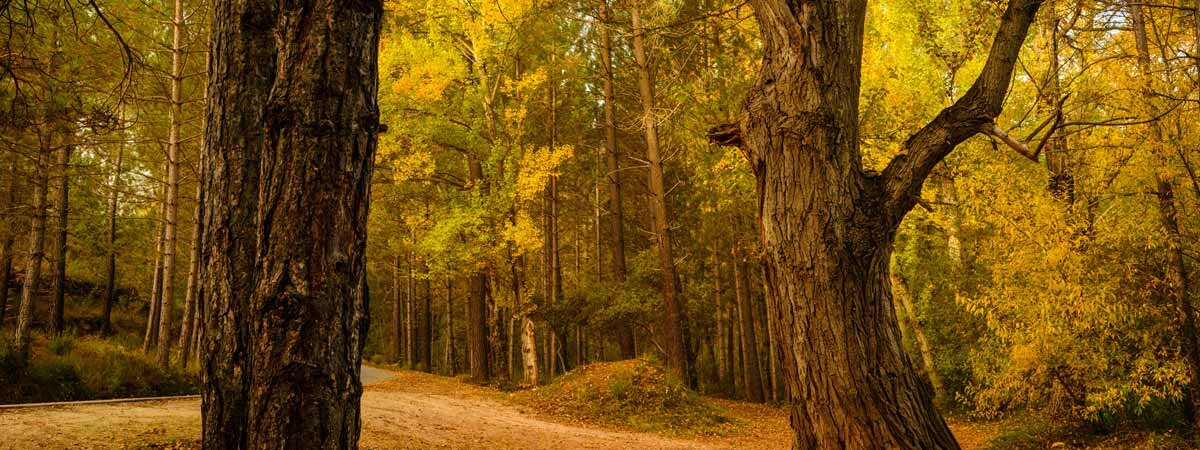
410,411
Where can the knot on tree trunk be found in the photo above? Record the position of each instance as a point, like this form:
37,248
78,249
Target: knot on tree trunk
727,135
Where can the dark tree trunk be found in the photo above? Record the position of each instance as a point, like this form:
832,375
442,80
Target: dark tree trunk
110,273
63,204
753,386
615,207
477,333
479,352
291,136
397,313
425,324
451,360
9,237
828,225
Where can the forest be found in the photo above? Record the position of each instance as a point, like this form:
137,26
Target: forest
807,224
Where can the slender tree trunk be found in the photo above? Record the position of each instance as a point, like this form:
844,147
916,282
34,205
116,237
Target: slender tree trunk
172,197
110,274
410,324
397,313
723,336
151,335
63,204
615,206
1062,178
828,224
451,359
192,295
290,140
753,389
1176,271
772,350
425,324
903,296
8,237
33,268
674,328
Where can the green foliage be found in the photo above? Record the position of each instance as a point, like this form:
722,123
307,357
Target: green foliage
86,368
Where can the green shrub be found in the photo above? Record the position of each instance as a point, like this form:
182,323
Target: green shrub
68,368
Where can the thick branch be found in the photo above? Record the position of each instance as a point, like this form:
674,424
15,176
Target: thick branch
971,114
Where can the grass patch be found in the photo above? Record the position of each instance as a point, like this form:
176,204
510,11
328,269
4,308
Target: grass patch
632,393
70,368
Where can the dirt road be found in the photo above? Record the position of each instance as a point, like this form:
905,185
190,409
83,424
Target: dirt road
410,411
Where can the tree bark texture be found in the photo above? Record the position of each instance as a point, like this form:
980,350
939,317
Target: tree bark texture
828,225
152,315
290,141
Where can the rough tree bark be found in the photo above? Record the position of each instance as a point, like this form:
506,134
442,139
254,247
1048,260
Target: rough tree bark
674,326
63,205
828,225
290,139
479,353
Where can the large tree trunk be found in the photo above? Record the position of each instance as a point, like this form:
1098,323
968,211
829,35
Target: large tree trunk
674,326
110,273
753,374
613,159
1176,271
33,268
63,204
478,351
828,225
291,137
172,197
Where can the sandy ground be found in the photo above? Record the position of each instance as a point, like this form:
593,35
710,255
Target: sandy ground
401,410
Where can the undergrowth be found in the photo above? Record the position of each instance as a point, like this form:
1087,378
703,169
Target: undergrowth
632,393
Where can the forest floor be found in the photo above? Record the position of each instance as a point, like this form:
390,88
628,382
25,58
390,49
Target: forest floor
401,410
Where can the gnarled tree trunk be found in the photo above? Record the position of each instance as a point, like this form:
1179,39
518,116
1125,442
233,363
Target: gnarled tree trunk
828,225
290,140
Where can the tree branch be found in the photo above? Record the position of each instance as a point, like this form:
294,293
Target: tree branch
975,112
